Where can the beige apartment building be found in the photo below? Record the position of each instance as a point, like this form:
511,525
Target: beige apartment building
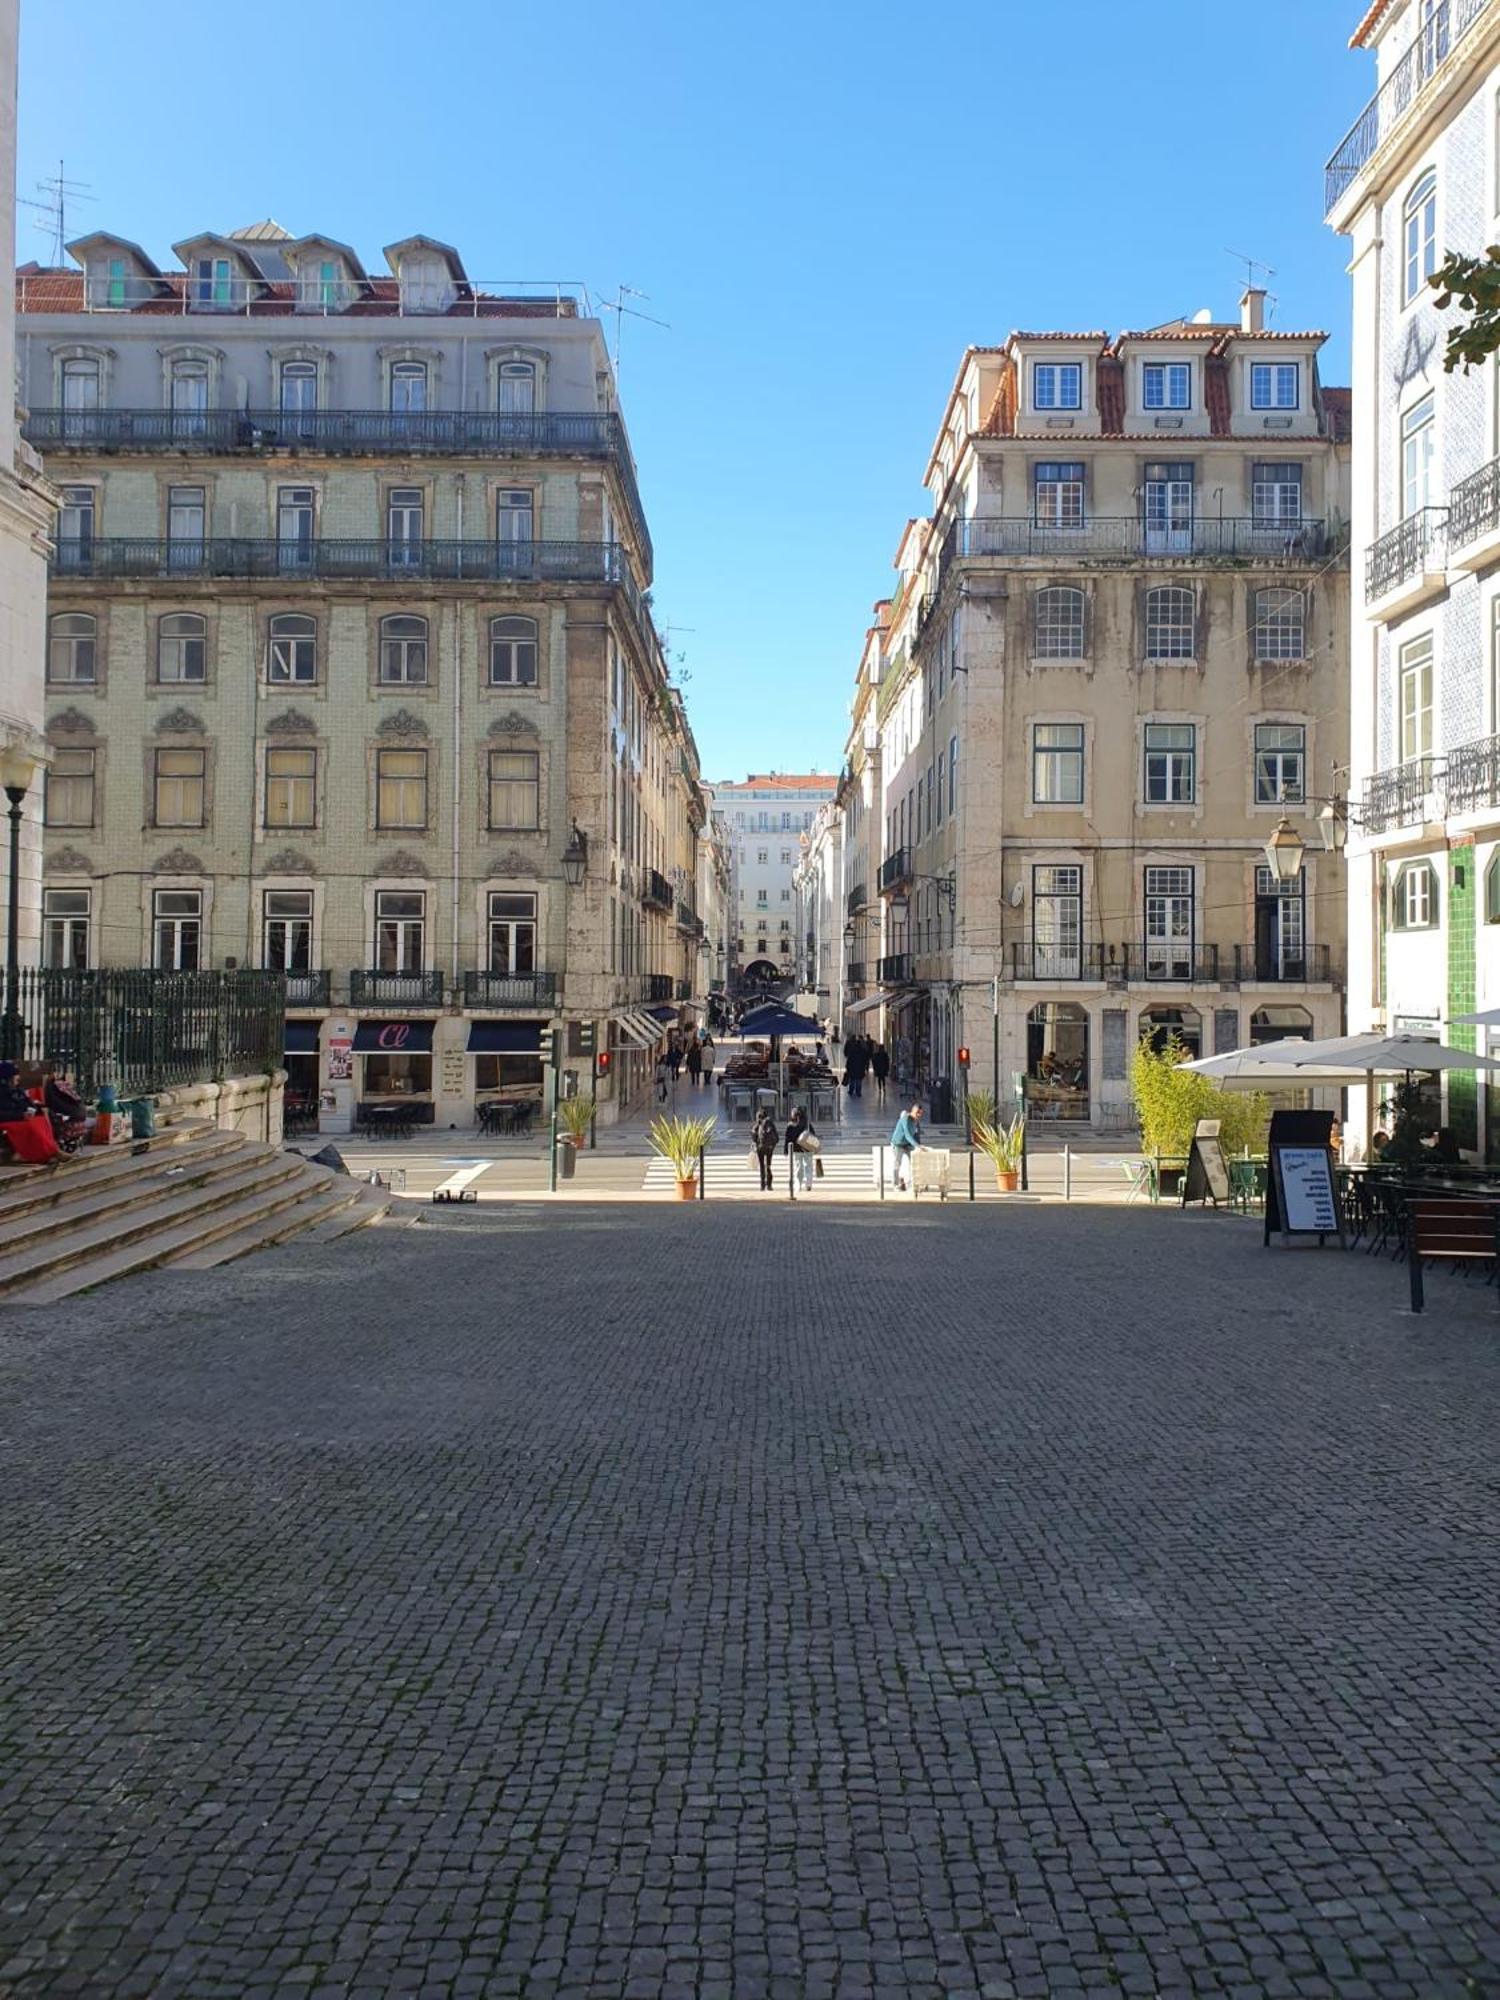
351,671
765,818
1116,659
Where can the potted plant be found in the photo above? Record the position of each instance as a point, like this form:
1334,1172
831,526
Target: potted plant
1004,1145
681,1140
980,1108
576,1115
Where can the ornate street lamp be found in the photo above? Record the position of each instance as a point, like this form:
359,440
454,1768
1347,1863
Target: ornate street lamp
575,859
17,767
1284,851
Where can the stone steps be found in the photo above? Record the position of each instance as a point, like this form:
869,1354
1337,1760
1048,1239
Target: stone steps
196,1198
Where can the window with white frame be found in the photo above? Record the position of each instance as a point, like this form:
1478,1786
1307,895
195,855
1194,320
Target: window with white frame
1418,449
1167,385
75,527
1056,921
1414,899
405,513
403,651
408,388
1280,628
1281,925
1170,623
177,929
1414,674
292,649
80,388
513,652
512,931
1171,750
178,787
1058,623
1280,763
401,788
296,508
298,388
516,388
68,797
71,640
189,398
1418,237
291,785
1275,385
400,930
182,647
187,525
286,930
1057,385
1169,922
1276,495
1057,763
1057,487
65,929
515,790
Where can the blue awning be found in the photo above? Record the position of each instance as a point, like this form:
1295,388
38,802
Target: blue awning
662,1013
509,1038
774,1019
301,1038
393,1038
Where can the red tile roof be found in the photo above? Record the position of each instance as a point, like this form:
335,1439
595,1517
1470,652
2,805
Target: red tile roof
1369,24
1095,339
779,781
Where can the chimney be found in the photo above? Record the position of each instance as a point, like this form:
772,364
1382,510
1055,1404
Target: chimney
1253,310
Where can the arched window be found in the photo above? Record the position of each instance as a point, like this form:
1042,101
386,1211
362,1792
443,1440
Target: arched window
1169,623
408,388
292,649
1059,624
403,651
1419,236
517,388
70,649
512,652
182,647
1280,625
1414,898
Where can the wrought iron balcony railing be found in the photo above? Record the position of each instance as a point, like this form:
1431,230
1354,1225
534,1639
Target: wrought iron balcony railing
118,558
657,986
856,972
1442,28
1172,959
1471,777
308,989
1209,538
509,989
1398,796
895,870
395,989
1405,551
657,892
1280,964
856,899
688,919
896,965
1038,958
1474,506
477,433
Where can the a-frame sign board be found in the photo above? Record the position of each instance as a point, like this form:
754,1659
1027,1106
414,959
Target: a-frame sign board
1300,1196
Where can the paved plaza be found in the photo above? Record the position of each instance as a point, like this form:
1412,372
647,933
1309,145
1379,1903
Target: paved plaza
725,1602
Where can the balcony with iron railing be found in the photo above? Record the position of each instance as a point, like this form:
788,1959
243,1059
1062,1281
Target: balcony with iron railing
657,892
896,965
1211,538
1166,960
856,972
657,986
896,871
1442,27
1162,961
1398,796
120,558
688,919
1474,517
856,900
1471,776
509,989
1407,555
395,989
1039,958
309,989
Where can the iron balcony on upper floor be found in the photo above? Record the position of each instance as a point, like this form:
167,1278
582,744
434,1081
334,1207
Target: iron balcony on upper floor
374,988
895,968
657,892
509,989
344,433
117,558
1443,26
1409,560
1473,529
855,901
1170,961
895,871
309,989
1131,538
1401,795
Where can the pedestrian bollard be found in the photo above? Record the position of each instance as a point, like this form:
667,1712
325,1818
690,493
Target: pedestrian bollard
880,1151
1067,1173
971,1173
791,1175
702,1173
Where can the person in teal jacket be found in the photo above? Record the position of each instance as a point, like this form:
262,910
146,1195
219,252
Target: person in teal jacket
905,1140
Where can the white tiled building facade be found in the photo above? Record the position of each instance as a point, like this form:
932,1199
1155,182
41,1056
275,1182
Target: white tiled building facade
766,817
1418,175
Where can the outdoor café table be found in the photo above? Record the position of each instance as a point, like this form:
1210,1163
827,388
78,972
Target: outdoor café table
396,1119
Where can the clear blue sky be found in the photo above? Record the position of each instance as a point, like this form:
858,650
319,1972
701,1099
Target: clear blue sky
827,202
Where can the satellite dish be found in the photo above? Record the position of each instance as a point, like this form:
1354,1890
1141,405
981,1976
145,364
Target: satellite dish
1017,897
1203,316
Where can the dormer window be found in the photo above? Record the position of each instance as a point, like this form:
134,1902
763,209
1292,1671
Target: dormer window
1057,385
1275,385
424,285
213,284
1167,385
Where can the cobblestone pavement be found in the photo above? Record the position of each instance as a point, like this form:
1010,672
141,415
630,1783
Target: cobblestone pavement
733,1603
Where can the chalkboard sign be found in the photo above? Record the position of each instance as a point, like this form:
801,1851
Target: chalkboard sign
1207,1177
1300,1196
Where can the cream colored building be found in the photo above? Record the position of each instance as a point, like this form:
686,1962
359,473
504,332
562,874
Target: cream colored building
1114,661
350,667
27,518
766,815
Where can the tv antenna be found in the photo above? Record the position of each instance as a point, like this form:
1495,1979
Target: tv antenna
621,311
1252,265
51,212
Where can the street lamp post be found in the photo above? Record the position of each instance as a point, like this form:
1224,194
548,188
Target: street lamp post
16,769
575,861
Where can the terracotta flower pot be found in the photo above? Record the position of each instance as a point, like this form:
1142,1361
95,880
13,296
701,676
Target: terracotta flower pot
1007,1182
687,1190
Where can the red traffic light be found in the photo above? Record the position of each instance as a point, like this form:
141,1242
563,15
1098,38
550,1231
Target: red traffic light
963,1058
605,1059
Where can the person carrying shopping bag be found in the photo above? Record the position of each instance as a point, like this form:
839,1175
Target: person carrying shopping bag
804,1145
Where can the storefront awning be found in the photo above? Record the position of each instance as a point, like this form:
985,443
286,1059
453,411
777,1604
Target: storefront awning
301,1038
393,1038
662,1013
639,1029
508,1038
866,1006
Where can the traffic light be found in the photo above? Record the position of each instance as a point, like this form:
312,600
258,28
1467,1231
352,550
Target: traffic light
586,1038
605,1060
547,1047
963,1058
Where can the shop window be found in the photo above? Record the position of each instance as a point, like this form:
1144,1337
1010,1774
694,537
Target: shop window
394,1074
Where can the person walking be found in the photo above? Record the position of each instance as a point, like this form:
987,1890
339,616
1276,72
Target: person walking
694,1063
799,1126
662,1073
674,1058
905,1140
764,1138
855,1064
706,1054
880,1068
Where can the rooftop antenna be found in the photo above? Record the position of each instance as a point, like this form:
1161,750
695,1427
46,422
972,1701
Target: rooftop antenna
618,307
1252,265
51,213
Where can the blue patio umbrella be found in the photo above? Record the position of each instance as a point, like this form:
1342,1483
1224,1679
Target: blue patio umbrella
771,1020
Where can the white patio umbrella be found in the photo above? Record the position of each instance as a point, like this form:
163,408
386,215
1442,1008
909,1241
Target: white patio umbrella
1383,1055
1487,1017
1267,1063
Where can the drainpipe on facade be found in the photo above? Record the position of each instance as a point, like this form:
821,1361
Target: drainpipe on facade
457,780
